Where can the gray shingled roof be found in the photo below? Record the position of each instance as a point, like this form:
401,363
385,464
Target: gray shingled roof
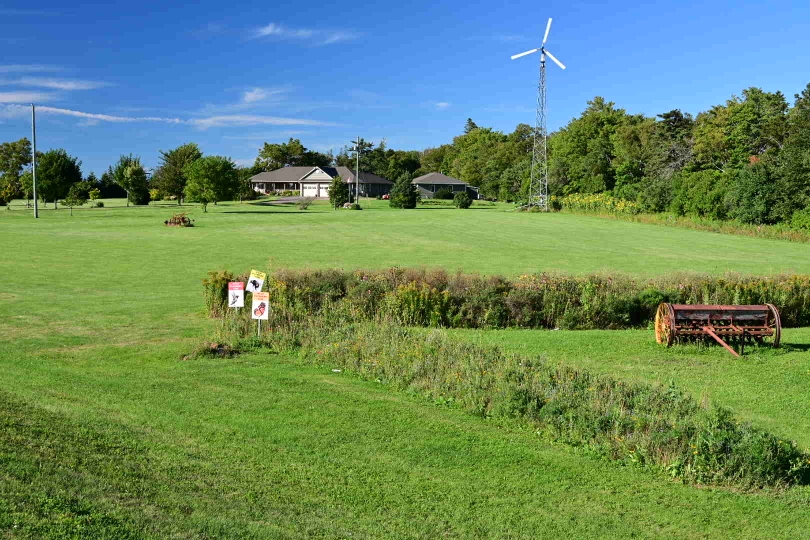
285,174
294,174
438,179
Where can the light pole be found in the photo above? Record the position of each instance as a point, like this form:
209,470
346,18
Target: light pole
34,157
357,172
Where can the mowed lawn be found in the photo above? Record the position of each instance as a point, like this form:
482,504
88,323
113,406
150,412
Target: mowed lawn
104,429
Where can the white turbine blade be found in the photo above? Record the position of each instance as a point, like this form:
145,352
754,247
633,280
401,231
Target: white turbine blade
555,60
516,56
548,27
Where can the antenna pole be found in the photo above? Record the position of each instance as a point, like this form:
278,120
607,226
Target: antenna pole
34,157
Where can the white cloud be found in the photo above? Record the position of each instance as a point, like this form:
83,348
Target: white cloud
274,29
107,117
23,12
255,95
240,120
337,37
13,109
55,84
441,105
317,37
25,97
27,68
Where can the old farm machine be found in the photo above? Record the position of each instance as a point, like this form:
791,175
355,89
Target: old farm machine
724,324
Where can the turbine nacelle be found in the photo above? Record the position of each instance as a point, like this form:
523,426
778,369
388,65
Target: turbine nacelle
542,49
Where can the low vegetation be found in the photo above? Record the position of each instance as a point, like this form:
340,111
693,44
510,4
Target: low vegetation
639,424
436,298
606,206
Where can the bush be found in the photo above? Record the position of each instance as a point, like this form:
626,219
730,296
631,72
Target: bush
801,219
444,194
305,203
462,200
638,424
99,204
179,220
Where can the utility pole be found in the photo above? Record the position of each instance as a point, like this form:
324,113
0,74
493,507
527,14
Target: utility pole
357,172
34,157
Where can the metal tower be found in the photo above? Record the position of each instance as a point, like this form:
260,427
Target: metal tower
538,189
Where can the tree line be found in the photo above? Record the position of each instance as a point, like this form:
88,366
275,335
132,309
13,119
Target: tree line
746,159
184,173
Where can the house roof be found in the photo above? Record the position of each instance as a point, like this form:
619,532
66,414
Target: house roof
284,174
437,178
295,174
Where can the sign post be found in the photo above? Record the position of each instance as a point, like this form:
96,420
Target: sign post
261,309
236,294
256,281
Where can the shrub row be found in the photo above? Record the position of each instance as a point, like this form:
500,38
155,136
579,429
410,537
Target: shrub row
421,297
602,205
651,426
598,203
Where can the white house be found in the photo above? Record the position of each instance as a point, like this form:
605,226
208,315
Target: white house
314,181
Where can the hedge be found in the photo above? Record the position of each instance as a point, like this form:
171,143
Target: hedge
435,298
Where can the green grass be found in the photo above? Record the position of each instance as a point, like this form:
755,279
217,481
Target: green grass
105,431
766,386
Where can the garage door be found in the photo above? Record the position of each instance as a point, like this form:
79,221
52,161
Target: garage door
310,190
323,190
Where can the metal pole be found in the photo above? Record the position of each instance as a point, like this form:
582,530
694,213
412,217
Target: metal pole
34,156
357,174
259,329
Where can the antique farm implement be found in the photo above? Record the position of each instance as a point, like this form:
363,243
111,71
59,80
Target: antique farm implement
723,324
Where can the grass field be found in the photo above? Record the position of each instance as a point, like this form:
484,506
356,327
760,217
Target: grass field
105,431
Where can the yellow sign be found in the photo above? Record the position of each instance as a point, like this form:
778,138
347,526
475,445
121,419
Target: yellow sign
255,281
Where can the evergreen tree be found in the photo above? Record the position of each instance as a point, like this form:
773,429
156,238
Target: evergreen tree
404,194
338,192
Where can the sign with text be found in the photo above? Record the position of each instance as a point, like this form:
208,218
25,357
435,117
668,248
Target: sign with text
236,294
261,305
256,281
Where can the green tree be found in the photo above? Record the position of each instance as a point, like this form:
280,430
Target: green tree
130,176
290,154
77,196
211,179
438,159
170,177
14,157
470,126
244,190
753,194
56,172
404,194
338,192
582,153
793,185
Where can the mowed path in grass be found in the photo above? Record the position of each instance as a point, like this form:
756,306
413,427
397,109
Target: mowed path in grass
96,311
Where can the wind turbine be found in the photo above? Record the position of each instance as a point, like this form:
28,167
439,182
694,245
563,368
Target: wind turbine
538,190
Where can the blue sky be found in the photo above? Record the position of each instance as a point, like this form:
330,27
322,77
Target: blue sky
136,78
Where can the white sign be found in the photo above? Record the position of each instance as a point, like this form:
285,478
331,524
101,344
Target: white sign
236,294
261,305
255,281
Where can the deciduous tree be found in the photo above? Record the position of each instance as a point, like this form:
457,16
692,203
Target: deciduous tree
211,179
170,177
